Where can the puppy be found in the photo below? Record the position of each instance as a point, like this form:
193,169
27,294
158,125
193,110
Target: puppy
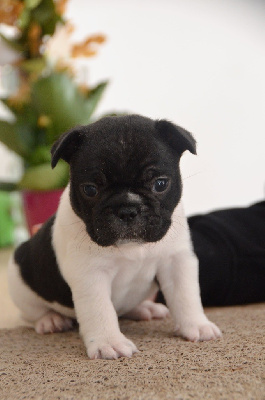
118,235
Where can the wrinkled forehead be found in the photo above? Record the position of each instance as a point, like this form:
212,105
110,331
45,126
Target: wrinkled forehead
120,152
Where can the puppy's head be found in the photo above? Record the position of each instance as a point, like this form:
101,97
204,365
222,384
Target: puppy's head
124,176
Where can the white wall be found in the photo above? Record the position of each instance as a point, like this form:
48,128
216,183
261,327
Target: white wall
199,63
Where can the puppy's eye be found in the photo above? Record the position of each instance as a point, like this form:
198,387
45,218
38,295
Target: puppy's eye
160,185
90,190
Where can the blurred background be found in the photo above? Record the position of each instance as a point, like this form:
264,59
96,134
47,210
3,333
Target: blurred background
198,63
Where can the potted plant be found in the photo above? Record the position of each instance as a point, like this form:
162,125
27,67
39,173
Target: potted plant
47,99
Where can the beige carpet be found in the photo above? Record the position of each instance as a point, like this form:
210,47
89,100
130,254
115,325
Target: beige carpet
55,366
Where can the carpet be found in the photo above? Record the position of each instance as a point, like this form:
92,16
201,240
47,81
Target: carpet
55,366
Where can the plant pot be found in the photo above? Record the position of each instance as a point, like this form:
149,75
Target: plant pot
40,206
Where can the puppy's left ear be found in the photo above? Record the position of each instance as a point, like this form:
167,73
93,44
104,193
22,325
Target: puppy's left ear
67,144
175,137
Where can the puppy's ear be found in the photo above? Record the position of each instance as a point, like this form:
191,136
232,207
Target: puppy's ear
175,137
67,144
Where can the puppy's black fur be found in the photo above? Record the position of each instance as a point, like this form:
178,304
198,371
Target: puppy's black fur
39,269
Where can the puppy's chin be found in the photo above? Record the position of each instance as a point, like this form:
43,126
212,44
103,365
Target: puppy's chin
124,242
107,236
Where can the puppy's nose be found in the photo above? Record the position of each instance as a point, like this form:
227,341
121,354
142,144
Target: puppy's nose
127,214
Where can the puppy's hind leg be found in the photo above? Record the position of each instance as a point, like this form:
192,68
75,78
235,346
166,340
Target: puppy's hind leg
53,322
147,310
32,307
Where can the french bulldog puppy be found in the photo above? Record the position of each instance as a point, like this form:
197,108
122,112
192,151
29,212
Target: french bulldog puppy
119,234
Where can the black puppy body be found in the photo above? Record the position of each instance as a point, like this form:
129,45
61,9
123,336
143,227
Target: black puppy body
39,269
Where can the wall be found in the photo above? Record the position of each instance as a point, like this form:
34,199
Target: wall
199,63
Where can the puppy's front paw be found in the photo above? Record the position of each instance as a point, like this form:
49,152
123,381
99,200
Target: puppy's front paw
196,332
110,348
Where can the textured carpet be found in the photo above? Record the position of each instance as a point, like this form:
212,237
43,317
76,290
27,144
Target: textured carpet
56,367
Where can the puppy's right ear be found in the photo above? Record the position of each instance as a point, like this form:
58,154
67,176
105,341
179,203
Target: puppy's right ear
67,144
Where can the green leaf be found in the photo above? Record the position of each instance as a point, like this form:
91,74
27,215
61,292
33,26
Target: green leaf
9,137
23,135
42,154
50,25
27,129
58,97
94,97
24,19
45,14
15,44
33,65
9,107
43,177
8,186
32,3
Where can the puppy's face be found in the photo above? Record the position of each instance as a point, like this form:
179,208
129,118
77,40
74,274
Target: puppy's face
125,180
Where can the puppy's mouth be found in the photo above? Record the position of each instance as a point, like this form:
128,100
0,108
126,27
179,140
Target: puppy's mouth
127,225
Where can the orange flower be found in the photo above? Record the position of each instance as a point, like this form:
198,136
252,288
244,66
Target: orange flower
62,66
44,121
60,6
10,11
87,47
84,89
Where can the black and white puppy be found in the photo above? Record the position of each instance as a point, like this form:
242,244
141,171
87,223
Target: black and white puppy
118,235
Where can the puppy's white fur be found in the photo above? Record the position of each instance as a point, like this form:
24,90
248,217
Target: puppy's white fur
108,282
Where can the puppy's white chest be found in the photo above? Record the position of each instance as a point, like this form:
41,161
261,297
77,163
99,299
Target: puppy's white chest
134,280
